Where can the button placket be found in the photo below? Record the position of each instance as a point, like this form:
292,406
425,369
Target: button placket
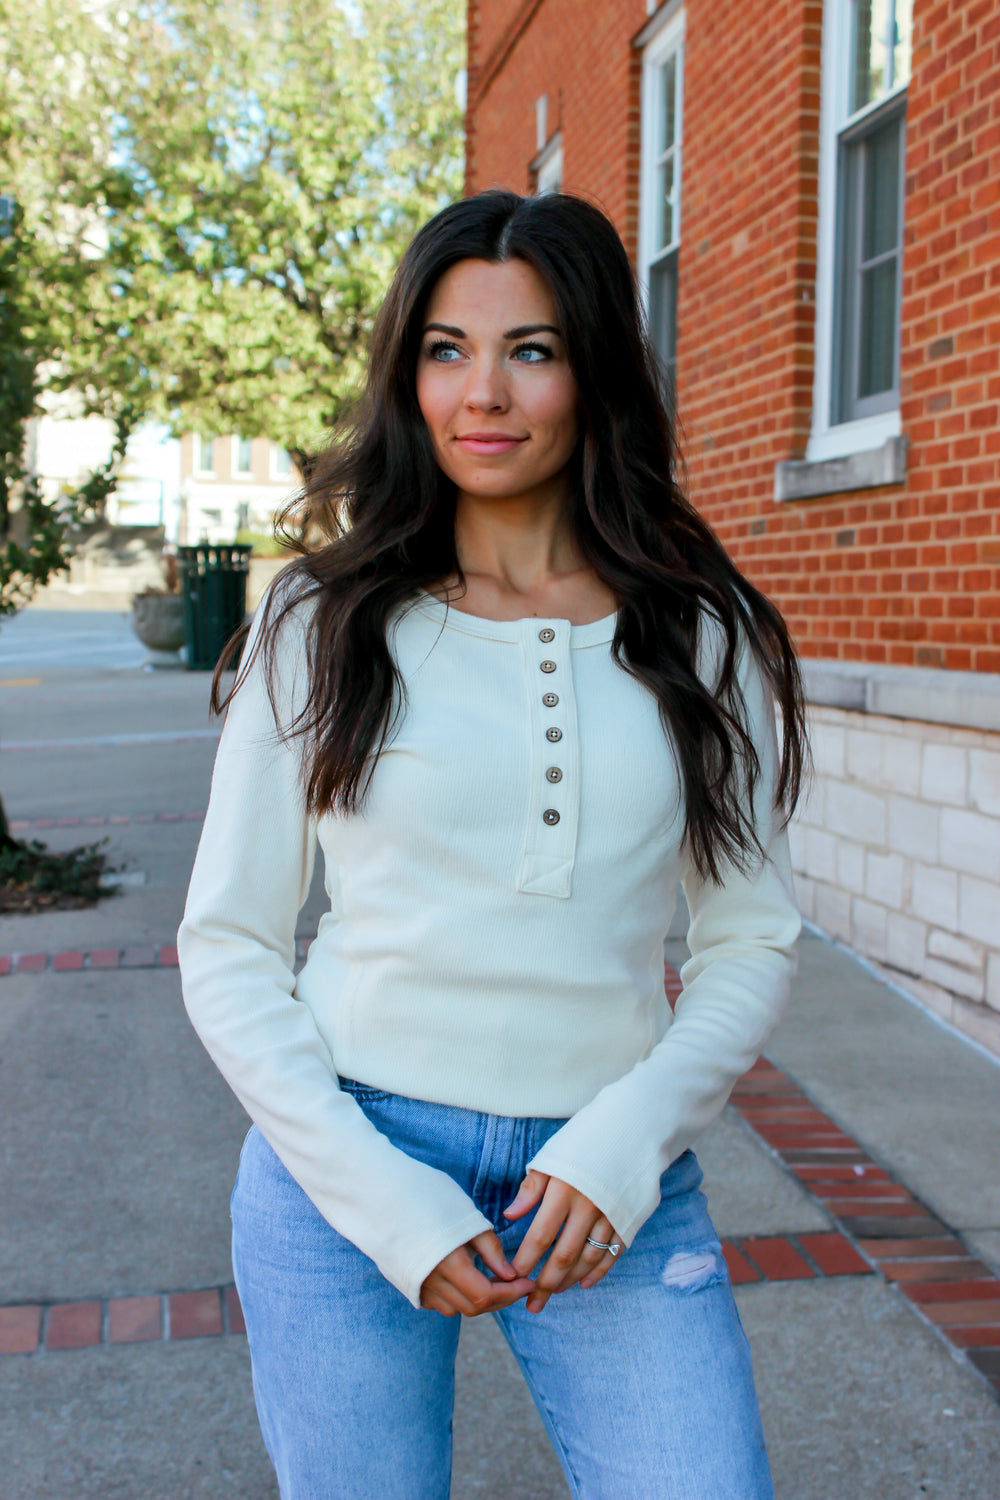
553,794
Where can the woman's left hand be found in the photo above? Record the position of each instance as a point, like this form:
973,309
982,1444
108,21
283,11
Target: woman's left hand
562,1208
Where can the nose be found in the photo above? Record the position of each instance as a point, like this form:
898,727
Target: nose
485,388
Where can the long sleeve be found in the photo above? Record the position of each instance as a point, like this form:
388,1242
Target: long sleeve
236,946
736,985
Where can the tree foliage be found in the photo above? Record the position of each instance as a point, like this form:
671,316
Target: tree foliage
51,135
211,199
271,158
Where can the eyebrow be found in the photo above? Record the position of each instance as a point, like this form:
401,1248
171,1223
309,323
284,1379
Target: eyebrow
512,333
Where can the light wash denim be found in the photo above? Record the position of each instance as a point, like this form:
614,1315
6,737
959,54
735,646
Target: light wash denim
644,1381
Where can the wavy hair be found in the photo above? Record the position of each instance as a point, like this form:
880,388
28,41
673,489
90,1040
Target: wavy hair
380,515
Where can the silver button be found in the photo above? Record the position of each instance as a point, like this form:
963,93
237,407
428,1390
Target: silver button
553,774
550,816
546,635
553,734
547,666
550,699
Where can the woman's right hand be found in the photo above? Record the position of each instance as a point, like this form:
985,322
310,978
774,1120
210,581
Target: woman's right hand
456,1286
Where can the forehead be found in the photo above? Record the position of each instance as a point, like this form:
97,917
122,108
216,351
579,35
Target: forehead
481,294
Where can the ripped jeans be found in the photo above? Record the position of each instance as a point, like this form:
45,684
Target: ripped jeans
644,1381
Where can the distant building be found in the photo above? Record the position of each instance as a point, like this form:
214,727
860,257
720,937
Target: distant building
809,194
230,484
64,447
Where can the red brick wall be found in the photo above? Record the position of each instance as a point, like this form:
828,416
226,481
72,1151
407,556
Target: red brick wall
582,58
907,573
947,552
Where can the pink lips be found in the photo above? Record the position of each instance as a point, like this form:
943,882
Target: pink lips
487,442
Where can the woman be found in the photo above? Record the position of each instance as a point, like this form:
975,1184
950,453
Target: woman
518,694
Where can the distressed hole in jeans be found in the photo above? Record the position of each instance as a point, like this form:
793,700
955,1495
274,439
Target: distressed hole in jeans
690,1270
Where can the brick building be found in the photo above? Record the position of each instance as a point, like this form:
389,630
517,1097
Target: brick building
810,193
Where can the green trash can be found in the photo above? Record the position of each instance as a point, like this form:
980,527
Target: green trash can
214,586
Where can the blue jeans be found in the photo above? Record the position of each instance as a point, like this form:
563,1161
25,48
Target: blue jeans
644,1381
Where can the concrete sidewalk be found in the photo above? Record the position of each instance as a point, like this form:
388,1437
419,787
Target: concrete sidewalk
119,1142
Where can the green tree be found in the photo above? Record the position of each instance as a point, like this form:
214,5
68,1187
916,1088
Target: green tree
271,160
216,194
53,133
211,201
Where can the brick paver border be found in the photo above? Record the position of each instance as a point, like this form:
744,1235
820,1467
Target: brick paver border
150,956
211,1312
952,1290
881,1226
160,956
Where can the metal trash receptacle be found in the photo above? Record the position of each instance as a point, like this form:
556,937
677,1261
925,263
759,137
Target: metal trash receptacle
214,586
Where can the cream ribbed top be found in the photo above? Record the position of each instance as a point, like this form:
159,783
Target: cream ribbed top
495,934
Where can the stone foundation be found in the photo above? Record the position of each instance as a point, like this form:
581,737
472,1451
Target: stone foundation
896,851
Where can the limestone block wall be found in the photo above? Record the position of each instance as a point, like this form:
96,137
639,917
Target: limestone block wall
896,850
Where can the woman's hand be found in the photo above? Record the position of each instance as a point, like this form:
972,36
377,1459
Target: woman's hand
456,1286
571,1259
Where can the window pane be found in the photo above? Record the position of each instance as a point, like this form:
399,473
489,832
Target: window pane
871,72
663,309
668,102
282,461
243,458
665,203
902,52
205,454
876,362
880,206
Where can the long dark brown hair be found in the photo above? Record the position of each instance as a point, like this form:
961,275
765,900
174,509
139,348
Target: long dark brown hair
380,514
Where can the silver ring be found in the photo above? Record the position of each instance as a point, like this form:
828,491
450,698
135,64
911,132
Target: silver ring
614,1247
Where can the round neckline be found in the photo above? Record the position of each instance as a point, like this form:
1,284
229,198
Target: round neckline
596,632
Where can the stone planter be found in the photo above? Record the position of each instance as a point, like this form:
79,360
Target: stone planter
158,621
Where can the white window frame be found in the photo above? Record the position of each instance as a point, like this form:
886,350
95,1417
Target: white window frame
547,163
199,442
827,439
235,469
275,471
663,37
549,167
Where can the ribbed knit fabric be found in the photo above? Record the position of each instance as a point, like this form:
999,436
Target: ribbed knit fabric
495,935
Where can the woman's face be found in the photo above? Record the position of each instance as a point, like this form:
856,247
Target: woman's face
493,381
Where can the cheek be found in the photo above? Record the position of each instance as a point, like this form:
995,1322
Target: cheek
556,409
433,401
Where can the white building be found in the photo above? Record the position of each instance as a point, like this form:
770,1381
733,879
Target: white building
231,484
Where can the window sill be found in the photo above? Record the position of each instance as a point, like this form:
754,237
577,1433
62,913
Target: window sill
802,479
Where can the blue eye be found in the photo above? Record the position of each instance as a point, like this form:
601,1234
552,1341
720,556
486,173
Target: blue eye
542,350
439,348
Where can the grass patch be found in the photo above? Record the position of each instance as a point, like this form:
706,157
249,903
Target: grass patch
34,879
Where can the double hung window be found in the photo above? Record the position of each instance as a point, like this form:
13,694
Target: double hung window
660,202
867,47
870,211
204,454
243,455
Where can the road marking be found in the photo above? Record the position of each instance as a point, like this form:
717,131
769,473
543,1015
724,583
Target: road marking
104,820
153,737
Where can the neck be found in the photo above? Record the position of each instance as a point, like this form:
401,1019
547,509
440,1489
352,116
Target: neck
519,542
